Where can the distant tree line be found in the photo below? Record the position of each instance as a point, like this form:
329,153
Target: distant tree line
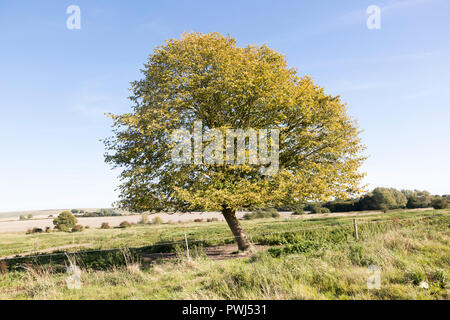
102,213
379,199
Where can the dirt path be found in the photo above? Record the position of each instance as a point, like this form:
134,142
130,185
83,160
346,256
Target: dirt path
214,253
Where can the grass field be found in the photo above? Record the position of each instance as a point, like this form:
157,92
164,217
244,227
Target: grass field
305,259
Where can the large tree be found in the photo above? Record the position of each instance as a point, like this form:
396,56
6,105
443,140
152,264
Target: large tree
208,78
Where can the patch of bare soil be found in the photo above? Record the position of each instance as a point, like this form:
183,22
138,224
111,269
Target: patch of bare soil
214,253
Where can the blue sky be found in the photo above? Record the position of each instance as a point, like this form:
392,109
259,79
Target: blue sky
55,83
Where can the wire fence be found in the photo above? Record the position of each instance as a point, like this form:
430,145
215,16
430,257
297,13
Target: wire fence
361,221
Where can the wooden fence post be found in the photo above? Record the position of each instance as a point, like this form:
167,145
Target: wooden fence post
187,247
355,225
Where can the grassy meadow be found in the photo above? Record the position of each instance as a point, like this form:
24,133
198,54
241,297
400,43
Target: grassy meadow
315,258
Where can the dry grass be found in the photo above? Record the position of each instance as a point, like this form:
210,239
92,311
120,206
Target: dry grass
406,255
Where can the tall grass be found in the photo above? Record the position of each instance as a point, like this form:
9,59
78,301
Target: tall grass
321,263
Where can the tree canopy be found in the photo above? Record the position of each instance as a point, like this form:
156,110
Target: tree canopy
65,221
208,78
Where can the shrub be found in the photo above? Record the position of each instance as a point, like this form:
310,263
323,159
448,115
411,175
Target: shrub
249,216
315,208
325,210
105,225
198,220
212,220
262,213
77,228
157,220
65,221
384,207
74,211
299,209
47,229
267,213
22,217
34,230
124,224
301,246
30,216
144,219
439,203
342,205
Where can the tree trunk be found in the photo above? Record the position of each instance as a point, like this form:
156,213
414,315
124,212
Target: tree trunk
235,226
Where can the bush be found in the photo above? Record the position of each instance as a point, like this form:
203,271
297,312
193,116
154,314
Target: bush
144,219
299,209
325,210
212,219
74,211
198,220
105,225
439,203
124,224
157,220
22,217
267,213
34,230
342,205
315,208
30,216
77,228
65,221
262,213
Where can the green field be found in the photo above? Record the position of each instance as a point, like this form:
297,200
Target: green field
303,259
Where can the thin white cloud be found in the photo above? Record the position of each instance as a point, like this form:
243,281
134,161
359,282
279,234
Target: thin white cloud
96,97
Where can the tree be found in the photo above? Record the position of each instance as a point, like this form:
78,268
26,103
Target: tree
439,203
383,199
208,78
383,196
417,199
399,198
65,221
